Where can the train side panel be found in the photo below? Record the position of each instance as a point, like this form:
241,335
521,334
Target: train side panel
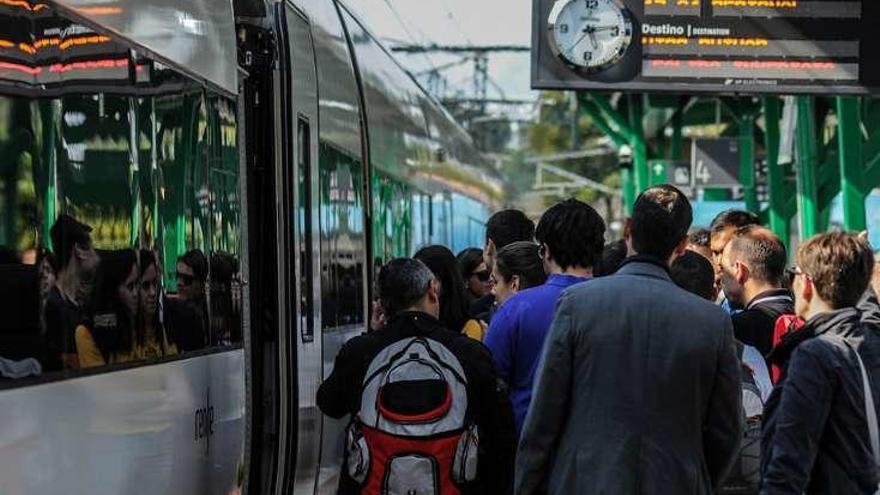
173,428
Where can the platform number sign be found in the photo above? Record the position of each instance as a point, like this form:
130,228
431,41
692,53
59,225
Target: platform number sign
715,163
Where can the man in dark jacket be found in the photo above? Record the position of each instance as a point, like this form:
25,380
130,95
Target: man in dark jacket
815,432
752,270
408,294
638,390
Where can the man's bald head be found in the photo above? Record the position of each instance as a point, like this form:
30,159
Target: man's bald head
762,251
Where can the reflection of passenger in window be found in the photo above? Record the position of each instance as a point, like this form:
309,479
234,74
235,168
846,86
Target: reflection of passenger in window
192,273
108,338
64,312
150,338
225,320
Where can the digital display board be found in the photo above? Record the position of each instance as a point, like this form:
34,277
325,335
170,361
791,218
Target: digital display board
716,46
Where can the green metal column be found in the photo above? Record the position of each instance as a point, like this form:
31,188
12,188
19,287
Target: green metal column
627,185
852,177
775,174
747,161
807,190
637,142
676,148
50,111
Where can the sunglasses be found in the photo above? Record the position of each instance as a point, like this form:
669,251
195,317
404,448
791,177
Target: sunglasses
184,279
482,275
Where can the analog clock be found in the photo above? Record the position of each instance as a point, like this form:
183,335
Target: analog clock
590,35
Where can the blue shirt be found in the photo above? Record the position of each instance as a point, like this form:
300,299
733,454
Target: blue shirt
516,338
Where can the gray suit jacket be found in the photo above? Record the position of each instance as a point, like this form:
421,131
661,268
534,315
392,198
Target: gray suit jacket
638,392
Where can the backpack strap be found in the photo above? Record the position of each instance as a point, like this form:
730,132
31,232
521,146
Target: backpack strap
870,411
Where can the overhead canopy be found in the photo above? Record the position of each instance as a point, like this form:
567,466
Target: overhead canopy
196,36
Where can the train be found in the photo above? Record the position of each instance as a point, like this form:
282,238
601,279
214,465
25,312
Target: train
279,139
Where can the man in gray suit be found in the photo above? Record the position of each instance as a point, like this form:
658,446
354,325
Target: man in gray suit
639,387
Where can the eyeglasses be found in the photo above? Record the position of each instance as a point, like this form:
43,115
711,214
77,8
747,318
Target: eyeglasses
184,279
795,271
482,275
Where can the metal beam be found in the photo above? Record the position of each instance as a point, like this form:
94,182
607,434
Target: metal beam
637,142
852,170
747,160
807,189
571,180
777,193
600,120
459,48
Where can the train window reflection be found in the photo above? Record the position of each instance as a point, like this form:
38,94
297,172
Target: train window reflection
119,204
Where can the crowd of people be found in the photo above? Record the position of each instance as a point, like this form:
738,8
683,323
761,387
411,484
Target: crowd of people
670,361
103,307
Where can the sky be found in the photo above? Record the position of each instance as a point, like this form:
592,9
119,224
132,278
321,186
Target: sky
458,22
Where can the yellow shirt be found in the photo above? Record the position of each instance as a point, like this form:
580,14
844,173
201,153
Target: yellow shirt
475,330
90,356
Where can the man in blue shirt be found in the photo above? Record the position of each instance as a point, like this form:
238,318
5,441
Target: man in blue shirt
571,235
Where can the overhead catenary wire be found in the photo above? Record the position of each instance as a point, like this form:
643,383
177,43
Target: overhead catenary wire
408,33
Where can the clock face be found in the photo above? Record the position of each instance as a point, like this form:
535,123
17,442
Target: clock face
590,34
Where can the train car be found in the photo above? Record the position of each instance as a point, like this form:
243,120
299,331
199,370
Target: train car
194,197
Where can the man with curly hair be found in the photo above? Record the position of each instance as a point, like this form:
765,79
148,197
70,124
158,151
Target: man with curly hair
571,236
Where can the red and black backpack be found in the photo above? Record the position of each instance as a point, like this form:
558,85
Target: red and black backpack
411,436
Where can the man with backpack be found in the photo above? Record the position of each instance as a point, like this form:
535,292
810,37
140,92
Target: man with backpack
429,414
820,431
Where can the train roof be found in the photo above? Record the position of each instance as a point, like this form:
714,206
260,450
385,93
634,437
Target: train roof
195,36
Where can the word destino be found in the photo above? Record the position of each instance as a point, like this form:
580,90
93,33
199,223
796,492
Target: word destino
677,30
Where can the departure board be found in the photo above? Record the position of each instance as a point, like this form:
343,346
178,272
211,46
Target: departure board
715,46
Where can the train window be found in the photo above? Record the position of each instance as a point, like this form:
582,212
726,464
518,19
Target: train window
342,233
304,226
225,274
118,203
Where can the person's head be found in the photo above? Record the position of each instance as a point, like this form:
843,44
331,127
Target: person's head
116,300
752,261
722,228
695,274
503,228
832,271
474,272
117,287
148,282
571,236
453,300
613,256
518,266
192,272
406,284
46,267
72,242
699,242
659,224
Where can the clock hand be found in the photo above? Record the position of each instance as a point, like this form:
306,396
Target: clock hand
593,40
603,28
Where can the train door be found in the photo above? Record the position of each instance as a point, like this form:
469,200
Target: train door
299,257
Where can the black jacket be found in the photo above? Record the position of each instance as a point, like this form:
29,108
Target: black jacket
754,325
483,308
815,438
488,404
